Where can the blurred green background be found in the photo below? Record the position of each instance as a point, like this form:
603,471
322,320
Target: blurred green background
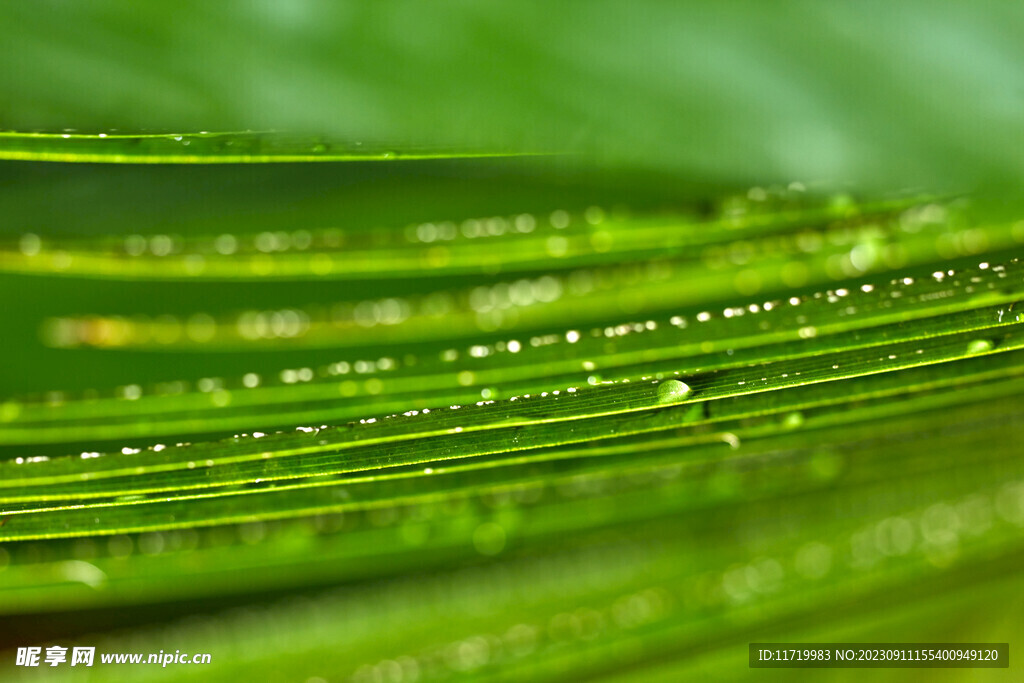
877,93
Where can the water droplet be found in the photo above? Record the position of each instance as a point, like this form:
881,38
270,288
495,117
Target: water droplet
731,439
30,244
979,346
560,219
672,390
84,572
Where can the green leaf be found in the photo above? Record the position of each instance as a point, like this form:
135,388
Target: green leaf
205,148
649,333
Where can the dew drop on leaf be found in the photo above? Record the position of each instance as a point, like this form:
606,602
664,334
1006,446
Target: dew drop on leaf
672,390
979,346
793,420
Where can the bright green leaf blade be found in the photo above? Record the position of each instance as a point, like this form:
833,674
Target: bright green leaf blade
206,148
